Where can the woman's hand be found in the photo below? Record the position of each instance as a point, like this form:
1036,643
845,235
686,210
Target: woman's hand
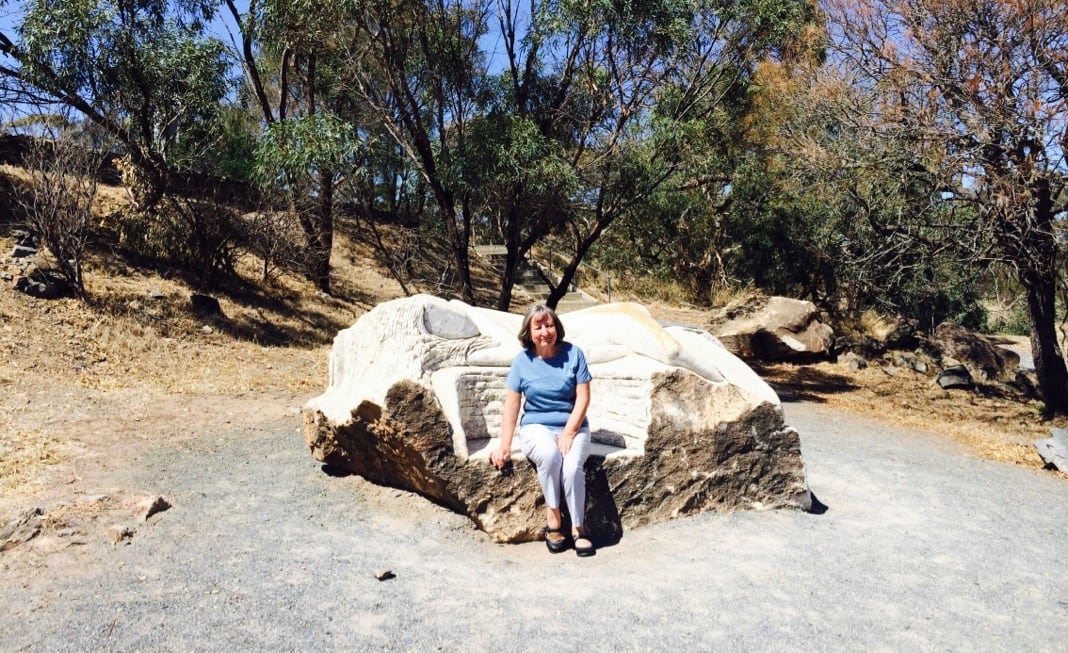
564,442
500,458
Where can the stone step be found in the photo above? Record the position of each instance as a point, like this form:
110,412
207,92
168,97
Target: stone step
529,278
573,301
565,306
491,250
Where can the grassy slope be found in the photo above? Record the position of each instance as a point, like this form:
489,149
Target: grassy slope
273,341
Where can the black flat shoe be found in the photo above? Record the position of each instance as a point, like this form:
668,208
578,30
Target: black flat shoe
584,551
558,545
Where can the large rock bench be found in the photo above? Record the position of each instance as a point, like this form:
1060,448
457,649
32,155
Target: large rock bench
679,424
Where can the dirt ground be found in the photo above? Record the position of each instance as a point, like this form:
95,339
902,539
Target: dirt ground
922,546
106,407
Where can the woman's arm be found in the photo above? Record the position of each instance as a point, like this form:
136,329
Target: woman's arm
509,417
574,421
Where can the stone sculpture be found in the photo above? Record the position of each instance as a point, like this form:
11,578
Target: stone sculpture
679,424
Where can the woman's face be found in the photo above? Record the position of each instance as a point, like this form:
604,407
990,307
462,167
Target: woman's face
543,330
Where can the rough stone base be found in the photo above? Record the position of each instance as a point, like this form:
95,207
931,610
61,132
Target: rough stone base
752,462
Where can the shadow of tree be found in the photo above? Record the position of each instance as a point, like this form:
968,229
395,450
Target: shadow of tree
802,382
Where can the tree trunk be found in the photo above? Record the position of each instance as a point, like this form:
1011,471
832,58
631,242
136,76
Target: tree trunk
511,263
1049,362
512,257
557,292
460,240
324,228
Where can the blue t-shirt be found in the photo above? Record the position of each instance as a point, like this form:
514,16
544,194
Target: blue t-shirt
548,385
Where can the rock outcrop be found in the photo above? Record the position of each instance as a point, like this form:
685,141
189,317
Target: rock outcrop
1054,450
956,345
773,329
679,424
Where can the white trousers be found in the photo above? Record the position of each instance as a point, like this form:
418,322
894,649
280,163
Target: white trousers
556,473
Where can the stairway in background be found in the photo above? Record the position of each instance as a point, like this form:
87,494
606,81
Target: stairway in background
532,279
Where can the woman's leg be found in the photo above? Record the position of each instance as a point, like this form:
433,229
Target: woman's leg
539,446
573,474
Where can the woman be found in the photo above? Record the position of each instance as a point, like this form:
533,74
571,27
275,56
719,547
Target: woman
552,377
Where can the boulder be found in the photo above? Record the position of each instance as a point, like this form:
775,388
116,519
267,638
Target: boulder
1054,450
985,361
205,305
38,289
773,329
679,424
954,377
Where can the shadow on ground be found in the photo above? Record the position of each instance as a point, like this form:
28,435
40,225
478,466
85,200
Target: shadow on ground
802,383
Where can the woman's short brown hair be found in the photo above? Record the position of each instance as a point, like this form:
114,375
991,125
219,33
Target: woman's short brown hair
535,311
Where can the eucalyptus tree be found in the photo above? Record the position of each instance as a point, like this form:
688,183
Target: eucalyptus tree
309,145
143,71
553,118
419,68
625,97
969,101
804,211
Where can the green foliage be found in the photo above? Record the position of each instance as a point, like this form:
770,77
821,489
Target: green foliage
1014,323
809,241
234,135
143,68
503,152
291,151
782,244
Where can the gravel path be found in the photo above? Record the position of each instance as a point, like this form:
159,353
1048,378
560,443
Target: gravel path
921,548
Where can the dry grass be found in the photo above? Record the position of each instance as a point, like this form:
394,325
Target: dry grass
25,453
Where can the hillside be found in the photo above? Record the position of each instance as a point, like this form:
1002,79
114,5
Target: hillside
78,378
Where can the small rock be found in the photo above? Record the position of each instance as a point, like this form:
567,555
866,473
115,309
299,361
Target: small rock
94,498
120,533
205,305
206,329
38,289
23,237
1026,381
855,362
21,529
145,507
956,377
156,295
910,361
384,574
